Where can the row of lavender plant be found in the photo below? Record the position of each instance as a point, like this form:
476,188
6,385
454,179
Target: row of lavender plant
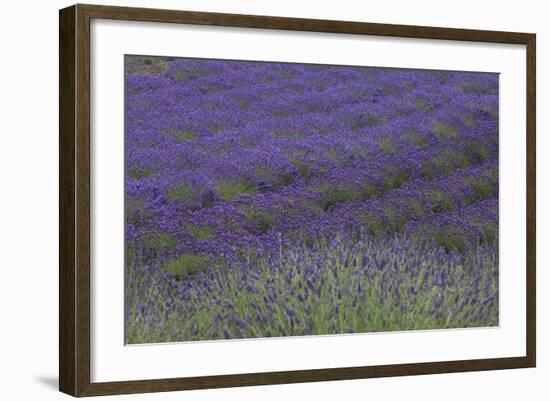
342,285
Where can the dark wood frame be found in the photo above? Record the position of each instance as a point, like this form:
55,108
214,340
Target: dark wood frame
74,200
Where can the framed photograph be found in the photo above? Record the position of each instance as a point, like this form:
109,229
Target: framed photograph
250,200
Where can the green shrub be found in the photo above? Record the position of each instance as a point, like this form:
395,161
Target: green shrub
423,104
374,224
415,138
387,144
261,219
395,179
136,210
181,75
444,130
396,220
333,153
138,173
416,206
478,151
332,194
365,121
201,233
428,171
181,193
305,169
441,201
277,177
230,190
187,264
469,121
489,231
181,135
369,190
483,188
450,239
449,160
215,127
160,241
287,74
287,132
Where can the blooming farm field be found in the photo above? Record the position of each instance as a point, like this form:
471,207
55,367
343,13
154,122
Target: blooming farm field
274,199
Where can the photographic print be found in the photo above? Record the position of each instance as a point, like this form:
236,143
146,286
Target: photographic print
268,199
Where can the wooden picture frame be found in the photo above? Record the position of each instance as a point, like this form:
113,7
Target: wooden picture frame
74,200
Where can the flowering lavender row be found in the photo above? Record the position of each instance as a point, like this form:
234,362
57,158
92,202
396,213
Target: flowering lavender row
228,162
343,285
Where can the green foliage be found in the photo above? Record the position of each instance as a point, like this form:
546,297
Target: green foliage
489,231
428,171
201,233
441,201
277,177
337,193
287,74
386,143
450,159
483,188
247,253
323,130
181,75
445,130
187,264
147,61
416,206
215,127
490,108
136,210
333,153
262,220
304,168
423,104
478,151
287,133
450,239
395,179
414,137
230,190
374,224
160,240
190,72
369,190
396,220
475,88
181,193
469,121
138,173
181,135
365,121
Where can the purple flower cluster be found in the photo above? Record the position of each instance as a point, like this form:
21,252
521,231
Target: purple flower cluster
233,162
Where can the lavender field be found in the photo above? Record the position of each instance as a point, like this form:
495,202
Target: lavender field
273,199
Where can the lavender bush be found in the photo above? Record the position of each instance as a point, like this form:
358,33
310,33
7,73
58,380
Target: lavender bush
271,199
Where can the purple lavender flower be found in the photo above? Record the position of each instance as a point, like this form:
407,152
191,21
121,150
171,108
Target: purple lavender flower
270,199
